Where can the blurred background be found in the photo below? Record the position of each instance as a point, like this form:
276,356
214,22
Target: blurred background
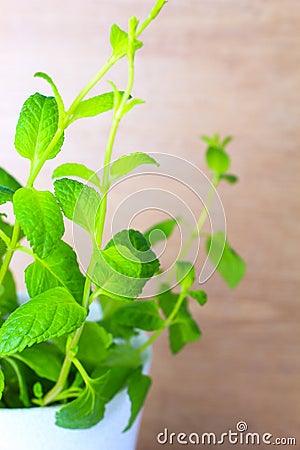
226,66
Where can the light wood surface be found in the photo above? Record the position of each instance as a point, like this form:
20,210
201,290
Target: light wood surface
231,66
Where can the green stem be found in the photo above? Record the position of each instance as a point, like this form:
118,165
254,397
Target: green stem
166,324
52,395
118,114
81,370
10,251
65,369
36,168
203,216
182,254
96,78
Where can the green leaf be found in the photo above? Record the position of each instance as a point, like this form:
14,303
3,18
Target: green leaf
8,180
138,387
158,6
40,218
217,160
183,329
20,373
185,274
46,316
94,106
123,355
139,247
7,229
56,93
8,186
131,104
8,294
226,141
119,42
93,344
80,203
38,390
118,272
37,125
229,177
60,268
125,265
87,410
127,163
76,170
140,314
160,231
6,194
2,383
229,264
44,359
199,296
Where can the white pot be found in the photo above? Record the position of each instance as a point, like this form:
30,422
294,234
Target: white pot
35,429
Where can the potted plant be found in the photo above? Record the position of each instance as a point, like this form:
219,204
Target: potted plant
66,381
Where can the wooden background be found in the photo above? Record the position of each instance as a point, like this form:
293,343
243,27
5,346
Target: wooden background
227,66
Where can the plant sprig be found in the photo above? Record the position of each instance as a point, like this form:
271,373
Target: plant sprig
88,363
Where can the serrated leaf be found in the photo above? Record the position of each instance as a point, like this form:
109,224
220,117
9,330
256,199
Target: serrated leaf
138,387
2,383
125,265
87,410
217,160
94,106
161,231
80,203
76,170
183,329
60,268
8,180
8,294
143,315
56,93
139,247
118,272
37,125
199,296
119,42
44,359
40,218
229,177
127,163
229,264
185,274
46,316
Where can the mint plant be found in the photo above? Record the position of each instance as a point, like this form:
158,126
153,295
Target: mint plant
49,352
